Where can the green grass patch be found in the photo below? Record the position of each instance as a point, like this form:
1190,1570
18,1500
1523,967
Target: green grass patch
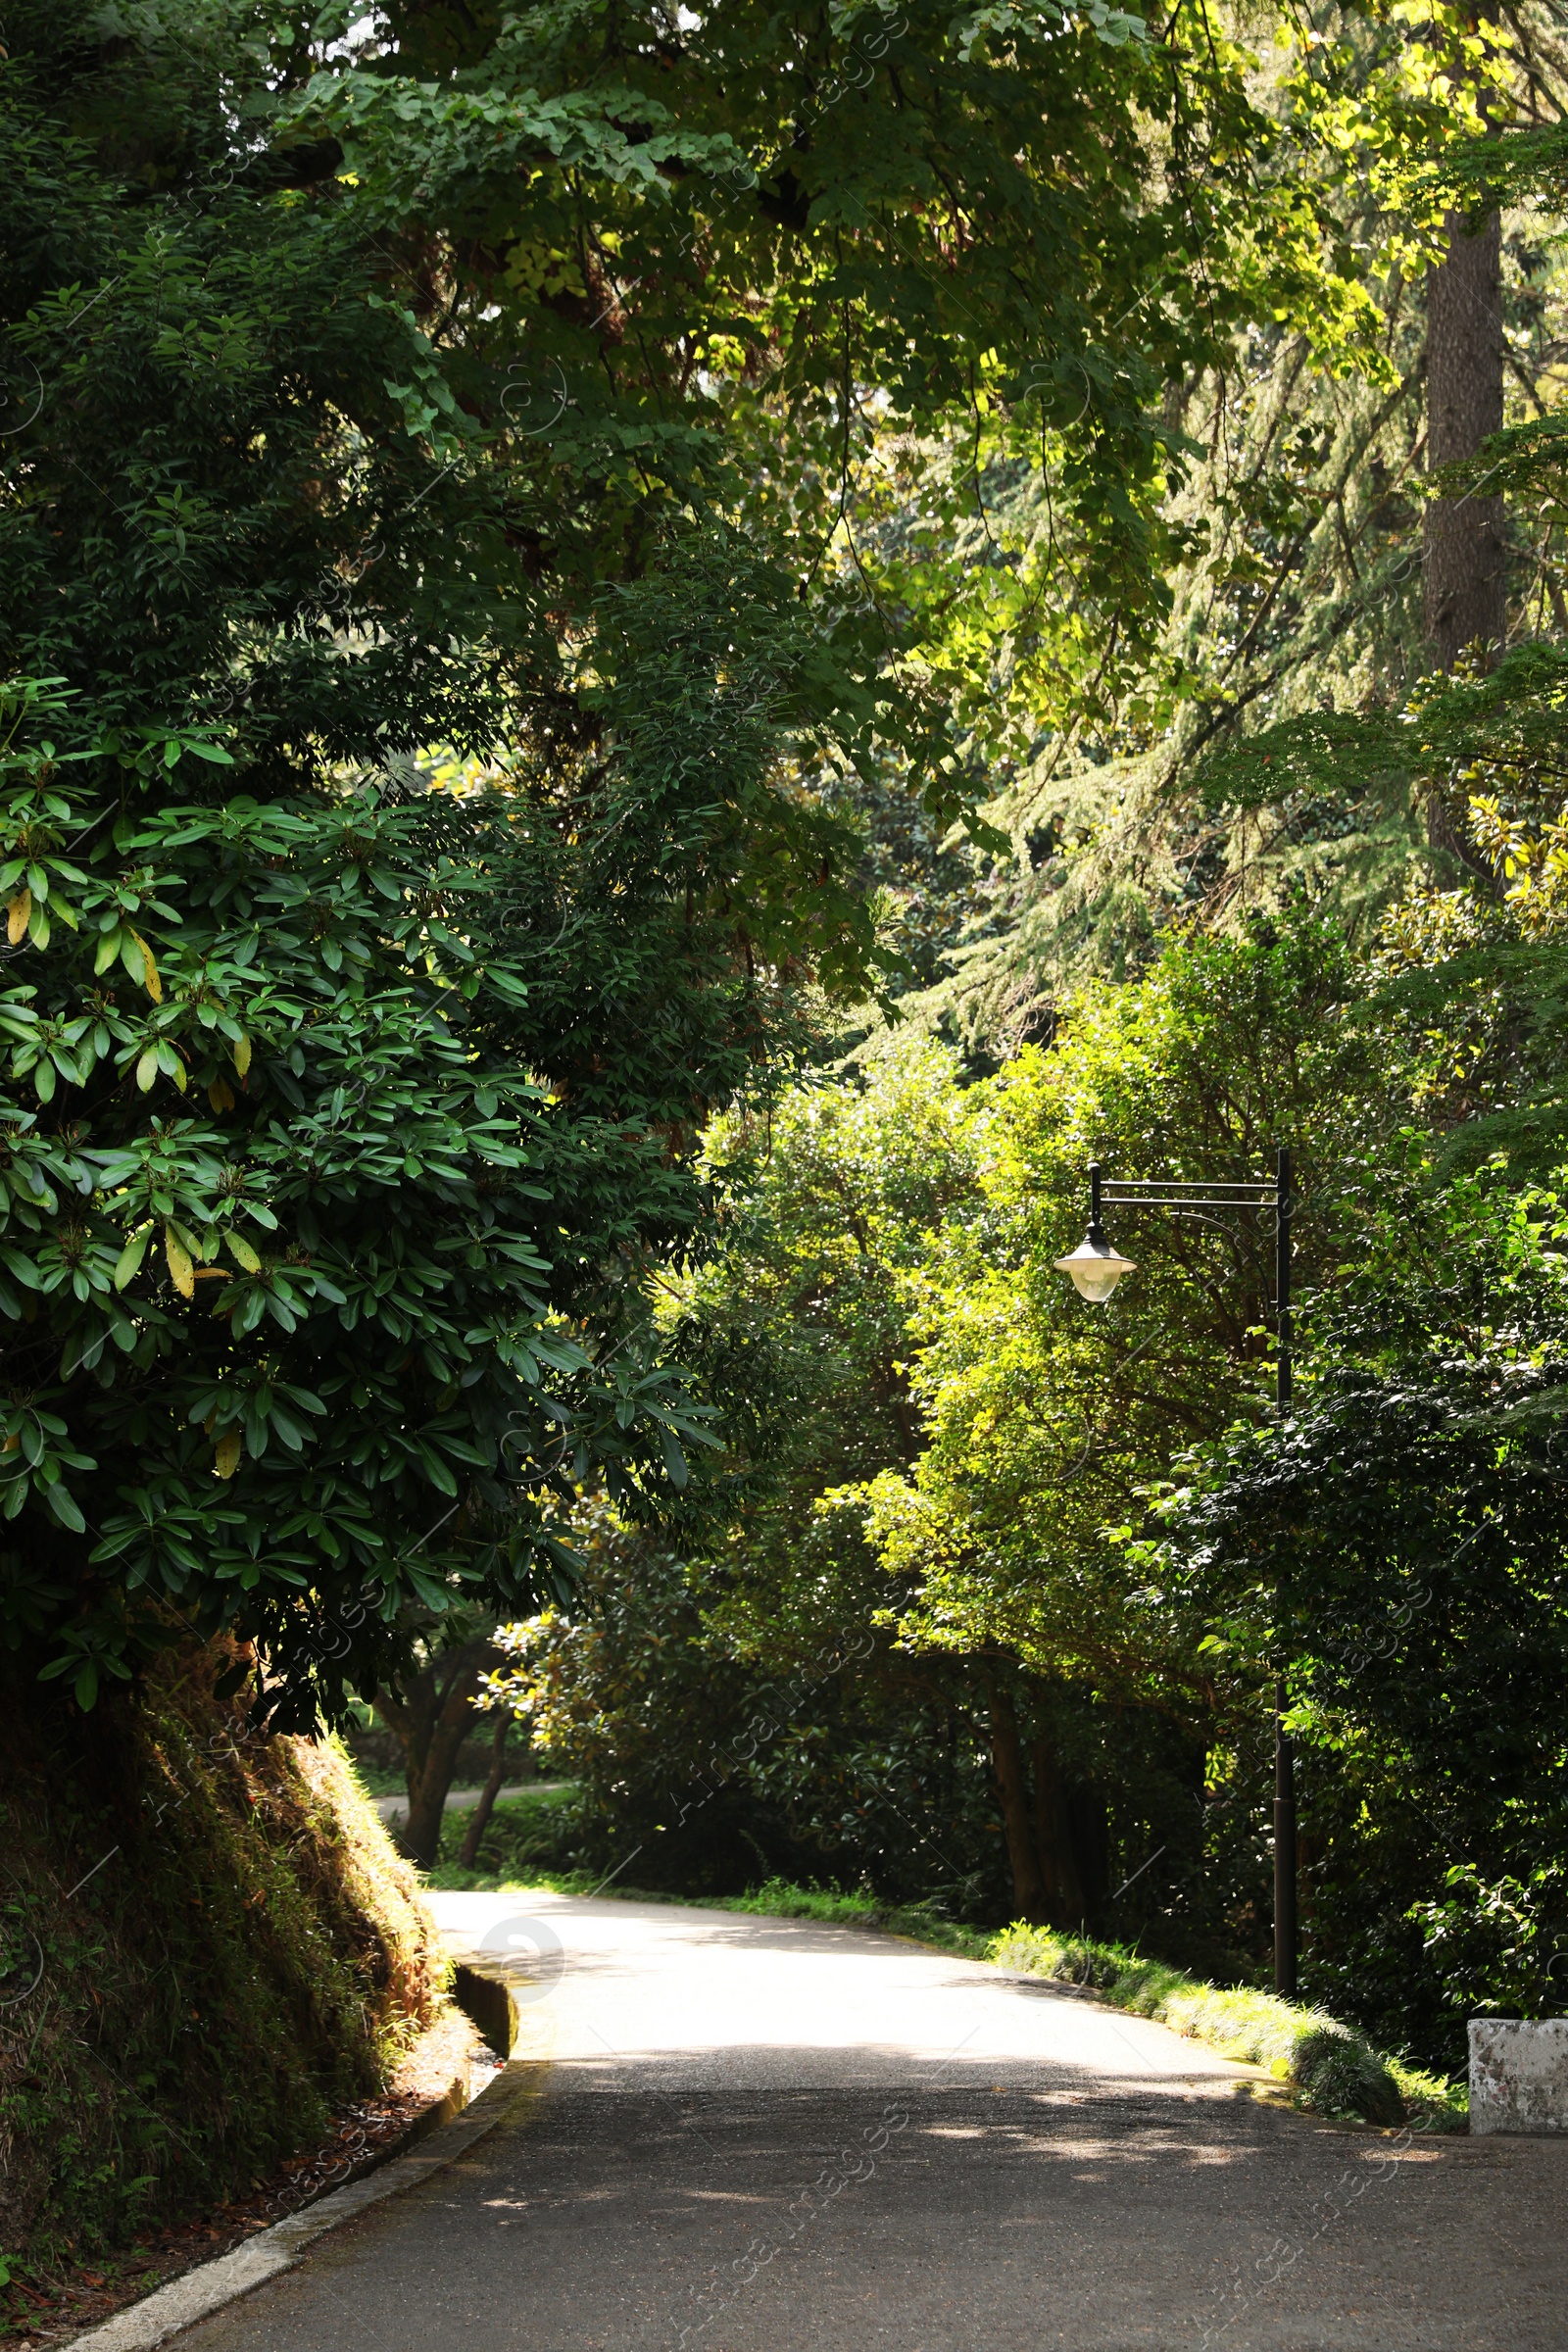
1332,2067
779,1898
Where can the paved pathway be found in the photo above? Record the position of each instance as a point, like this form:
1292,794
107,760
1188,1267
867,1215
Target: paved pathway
760,2136
463,1800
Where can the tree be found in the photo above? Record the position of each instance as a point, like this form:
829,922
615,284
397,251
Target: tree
1464,548
1044,1420
308,1096
371,954
1397,1539
825,265
392,392
432,1714
1400,1539
1298,534
729,1697
930,1469
1464,555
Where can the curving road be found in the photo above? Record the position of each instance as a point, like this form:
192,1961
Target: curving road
761,2135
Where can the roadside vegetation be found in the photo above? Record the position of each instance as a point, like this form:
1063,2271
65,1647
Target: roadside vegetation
210,1948
993,1611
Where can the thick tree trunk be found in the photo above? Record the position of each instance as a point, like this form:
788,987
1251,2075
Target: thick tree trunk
1464,575
1055,1842
432,1717
1006,1758
480,1815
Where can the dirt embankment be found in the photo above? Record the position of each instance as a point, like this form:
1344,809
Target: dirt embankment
209,1948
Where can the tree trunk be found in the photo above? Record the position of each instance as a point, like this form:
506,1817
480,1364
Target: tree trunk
1055,1842
488,1794
1464,575
1090,1825
1006,1758
432,1717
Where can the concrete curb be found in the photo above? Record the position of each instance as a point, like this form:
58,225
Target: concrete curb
206,2290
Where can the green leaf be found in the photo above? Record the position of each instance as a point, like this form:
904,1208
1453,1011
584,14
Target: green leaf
129,1263
676,1461
64,1507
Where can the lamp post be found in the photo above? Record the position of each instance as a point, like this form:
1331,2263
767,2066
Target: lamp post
1094,1268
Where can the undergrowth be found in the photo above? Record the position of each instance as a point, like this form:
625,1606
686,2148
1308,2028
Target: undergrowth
525,1835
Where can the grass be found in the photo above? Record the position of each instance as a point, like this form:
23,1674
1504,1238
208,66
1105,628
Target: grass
1328,2066
780,1900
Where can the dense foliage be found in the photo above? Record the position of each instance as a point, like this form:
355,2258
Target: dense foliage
1400,1543
828,262
944,1461
515,526
377,935
1027,1665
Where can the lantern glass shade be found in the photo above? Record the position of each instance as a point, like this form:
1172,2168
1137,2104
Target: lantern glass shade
1094,1268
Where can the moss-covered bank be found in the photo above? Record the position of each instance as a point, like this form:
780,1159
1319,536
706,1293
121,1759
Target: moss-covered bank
207,1943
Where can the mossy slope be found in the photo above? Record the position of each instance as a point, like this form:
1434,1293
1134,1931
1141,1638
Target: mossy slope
207,1944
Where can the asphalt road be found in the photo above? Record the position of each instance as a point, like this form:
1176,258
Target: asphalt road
463,1800
760,2136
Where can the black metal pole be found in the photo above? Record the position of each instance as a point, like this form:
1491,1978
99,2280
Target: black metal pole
1093,1195
1284,1929
1281,1278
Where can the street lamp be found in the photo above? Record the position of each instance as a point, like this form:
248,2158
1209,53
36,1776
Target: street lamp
1096,1270
1094,1267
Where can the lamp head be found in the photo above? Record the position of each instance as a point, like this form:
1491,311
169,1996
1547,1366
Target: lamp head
1094,1267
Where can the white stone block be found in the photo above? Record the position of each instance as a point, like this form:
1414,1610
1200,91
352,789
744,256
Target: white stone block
1518,2074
